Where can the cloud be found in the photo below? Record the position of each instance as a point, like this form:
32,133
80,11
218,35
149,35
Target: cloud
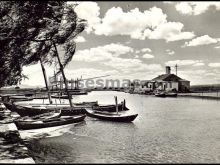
151,24
88,73
146,50
196,8
170,52
109,55
185,62
102,53
89,11
131,23
214,65
184,8
217,47
203,40
80,39
170,31
148,56
199,64
35,74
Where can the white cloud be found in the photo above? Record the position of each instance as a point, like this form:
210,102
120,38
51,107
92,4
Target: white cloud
80,39
170,52
132,23
109,55
184,8
89,11
217,47
199,64
146,50
88,72
203,40
170,31
148,56
184,62
35,74
214,65
102,53
195,8
150,23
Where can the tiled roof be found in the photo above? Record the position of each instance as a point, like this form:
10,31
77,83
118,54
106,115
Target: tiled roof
166,77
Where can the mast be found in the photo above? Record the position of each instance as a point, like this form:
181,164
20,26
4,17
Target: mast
64,77
45,79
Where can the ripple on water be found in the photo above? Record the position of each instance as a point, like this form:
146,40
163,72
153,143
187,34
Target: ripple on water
175,130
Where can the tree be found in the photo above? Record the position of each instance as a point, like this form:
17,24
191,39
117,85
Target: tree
28,32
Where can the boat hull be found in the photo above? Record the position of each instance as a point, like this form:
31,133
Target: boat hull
50,123
110,108
171,95
32,110
114,118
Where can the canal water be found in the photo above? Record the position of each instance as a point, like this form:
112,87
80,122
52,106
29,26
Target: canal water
167,130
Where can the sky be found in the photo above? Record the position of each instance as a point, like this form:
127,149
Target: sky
137,39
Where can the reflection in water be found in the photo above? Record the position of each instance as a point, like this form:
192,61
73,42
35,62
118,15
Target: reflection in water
177,130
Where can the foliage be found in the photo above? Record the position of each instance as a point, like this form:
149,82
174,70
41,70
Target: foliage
28,30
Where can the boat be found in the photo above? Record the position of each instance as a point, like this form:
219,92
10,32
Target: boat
36,124
160,94
43,116
110,108
87,103
36,109
111,116
171,94
15,98
78,92
60,96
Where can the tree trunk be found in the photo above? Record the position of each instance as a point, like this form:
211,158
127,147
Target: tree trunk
64,77
45,79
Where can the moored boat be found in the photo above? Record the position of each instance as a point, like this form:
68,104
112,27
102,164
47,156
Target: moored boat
171,94
36,124
60,96
160,94
111,116
15,98
36,109
111,108
43,116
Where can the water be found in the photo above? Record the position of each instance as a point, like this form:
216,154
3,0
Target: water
167,130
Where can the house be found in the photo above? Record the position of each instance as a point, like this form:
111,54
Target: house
167,81
170,82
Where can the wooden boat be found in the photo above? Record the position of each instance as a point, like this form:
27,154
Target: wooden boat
110,116
160,94
36,109
110,108
78,92
36,124
44,116
15,98
60,96
90,103
171,94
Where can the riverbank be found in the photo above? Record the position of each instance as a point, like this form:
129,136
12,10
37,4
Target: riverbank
13,149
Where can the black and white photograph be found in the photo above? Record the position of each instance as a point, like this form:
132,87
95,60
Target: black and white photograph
133,82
